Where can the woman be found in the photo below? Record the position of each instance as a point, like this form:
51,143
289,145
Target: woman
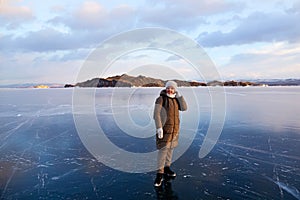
166,116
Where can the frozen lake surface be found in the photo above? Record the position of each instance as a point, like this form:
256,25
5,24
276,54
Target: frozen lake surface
256,157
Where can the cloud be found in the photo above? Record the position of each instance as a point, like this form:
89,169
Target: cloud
36,68
47,39
54,42
84,27
184,14
258,27
12,15
178,14
91,23
174,20
279,60
295,8
173,58
50,39
91,16
10,11
202,7
58,9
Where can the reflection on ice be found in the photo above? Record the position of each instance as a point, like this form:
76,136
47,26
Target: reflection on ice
256,157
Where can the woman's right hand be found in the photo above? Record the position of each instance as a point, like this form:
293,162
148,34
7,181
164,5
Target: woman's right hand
160,133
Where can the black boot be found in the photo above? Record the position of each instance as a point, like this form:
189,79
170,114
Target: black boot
158,180
169,172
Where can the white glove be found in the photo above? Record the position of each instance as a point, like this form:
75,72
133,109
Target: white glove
178,94
160,133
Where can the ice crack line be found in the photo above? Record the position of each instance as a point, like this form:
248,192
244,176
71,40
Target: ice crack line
66,174
286,187
12,131
11,176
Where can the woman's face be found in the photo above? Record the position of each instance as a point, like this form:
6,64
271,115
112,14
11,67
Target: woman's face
170,90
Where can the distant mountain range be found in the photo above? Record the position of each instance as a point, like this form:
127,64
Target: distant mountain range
34,85
279,82
143,81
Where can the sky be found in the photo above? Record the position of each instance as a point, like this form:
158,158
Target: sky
50,41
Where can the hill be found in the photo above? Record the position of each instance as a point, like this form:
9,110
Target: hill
143,81
131,81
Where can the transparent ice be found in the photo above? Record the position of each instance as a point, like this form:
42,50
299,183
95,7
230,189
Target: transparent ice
256,157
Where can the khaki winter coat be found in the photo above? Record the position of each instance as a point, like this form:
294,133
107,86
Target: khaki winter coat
166,116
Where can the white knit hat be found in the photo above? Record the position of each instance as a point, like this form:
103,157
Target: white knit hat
171,84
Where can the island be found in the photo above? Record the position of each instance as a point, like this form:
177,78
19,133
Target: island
125,80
